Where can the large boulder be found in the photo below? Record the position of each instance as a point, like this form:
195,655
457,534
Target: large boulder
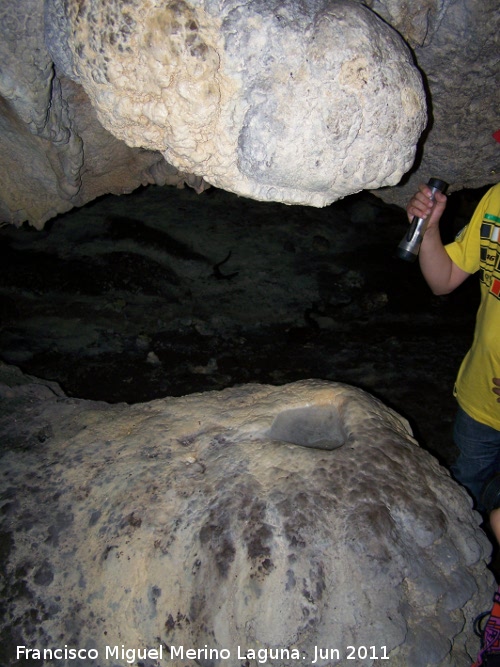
274,524
283,101
278,101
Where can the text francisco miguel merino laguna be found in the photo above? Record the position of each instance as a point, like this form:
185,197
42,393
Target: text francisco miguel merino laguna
260,655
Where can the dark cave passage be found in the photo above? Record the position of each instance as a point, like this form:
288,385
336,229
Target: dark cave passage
165,292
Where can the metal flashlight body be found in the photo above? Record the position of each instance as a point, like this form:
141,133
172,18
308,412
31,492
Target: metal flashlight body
409,247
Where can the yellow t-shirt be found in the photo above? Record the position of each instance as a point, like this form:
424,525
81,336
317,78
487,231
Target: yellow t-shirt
477,248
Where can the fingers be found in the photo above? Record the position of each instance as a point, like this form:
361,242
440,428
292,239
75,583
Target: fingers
421,205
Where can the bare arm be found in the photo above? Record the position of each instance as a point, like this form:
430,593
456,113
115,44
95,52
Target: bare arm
441,274
495,523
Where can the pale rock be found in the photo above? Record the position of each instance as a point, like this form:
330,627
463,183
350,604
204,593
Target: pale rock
261,517
285,101
291,102
301,102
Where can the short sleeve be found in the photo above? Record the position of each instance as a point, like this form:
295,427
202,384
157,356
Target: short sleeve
465,250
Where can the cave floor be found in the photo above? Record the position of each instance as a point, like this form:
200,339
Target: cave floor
165,292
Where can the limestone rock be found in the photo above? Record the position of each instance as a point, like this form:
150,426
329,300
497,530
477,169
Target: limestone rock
456,48
55,152
301,102
266,518
291,101
277,101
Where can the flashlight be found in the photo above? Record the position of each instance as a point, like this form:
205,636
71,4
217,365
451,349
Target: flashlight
410,244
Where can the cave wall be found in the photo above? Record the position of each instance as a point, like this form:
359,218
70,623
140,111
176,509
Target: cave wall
456,47
98,98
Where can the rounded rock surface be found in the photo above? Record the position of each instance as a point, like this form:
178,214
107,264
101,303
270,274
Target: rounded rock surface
280,101
287,518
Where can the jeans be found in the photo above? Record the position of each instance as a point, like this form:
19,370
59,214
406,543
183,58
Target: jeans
479,454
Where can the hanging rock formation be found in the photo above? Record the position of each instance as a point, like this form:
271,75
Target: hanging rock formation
300,102
266,518
291,102
277,101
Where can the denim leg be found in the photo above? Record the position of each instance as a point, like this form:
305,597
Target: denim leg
479,453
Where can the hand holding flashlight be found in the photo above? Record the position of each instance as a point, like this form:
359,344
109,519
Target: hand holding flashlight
421,207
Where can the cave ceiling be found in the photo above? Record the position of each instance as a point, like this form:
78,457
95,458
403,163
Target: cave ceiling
296,102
